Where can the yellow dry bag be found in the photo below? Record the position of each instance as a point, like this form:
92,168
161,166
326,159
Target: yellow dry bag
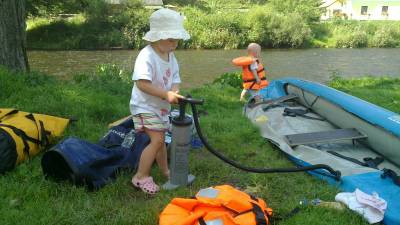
23,135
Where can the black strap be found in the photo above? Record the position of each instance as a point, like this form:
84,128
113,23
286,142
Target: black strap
315,100
258,212
293,212
282,104
391,174
24,137
373,163
21,133
368,162
14,111
44,134
201,221
252,80
251,86
290,214
244,212
356,161
299,112
305,100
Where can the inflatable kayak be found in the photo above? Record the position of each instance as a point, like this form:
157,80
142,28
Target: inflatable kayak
316,124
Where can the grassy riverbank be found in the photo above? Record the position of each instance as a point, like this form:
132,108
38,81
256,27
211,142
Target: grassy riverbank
384,92
98,99
215,27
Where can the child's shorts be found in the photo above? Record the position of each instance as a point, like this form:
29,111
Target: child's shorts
253,93
149,120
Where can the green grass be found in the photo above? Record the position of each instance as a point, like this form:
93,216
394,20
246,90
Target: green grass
383,91
98,99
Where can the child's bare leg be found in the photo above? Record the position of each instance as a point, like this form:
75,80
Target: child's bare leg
243,94
257,97
149,153
162,161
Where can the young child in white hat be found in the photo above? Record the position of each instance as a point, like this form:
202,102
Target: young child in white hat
156,76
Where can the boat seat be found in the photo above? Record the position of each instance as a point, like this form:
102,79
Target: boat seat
324,136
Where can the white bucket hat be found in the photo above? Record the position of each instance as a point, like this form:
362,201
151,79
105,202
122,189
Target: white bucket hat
165,24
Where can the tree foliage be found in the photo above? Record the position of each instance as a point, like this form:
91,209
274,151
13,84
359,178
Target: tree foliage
54,7
94,8
309,9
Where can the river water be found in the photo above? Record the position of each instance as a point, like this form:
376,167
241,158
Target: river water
203,66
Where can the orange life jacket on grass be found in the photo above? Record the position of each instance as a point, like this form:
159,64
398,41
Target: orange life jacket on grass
220,205
249,82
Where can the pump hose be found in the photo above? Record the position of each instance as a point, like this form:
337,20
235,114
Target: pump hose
334,174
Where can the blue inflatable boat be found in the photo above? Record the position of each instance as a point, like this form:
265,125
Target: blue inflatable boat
316,124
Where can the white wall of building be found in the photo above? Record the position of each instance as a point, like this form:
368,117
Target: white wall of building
353,11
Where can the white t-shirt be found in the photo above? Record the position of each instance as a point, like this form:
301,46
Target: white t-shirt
254,66
162,74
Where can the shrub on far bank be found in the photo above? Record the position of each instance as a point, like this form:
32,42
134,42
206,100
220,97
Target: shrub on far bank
351,39
233,29
135,25
221,29
213,28
291,31
387,36
356,34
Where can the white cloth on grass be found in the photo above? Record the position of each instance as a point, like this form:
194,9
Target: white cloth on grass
371,207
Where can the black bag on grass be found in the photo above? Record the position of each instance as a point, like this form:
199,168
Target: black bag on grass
95,165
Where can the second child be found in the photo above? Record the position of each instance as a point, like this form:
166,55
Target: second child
253,72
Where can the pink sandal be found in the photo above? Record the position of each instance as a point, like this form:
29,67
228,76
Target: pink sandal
147,185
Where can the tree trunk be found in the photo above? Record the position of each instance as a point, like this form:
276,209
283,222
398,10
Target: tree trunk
13,35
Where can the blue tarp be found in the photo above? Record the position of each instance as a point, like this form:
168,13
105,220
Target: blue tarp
368,183
386,189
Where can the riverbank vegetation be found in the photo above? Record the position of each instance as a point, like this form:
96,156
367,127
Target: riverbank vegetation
384,91
212,25
102,97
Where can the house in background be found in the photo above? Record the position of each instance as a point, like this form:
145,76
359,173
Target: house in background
332,8
361,9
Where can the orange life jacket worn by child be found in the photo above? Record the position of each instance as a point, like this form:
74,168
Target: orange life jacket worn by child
249,82
222,205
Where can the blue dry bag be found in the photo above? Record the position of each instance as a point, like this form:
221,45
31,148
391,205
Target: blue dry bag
95,165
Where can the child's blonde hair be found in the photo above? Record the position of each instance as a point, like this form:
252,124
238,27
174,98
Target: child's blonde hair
254,49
